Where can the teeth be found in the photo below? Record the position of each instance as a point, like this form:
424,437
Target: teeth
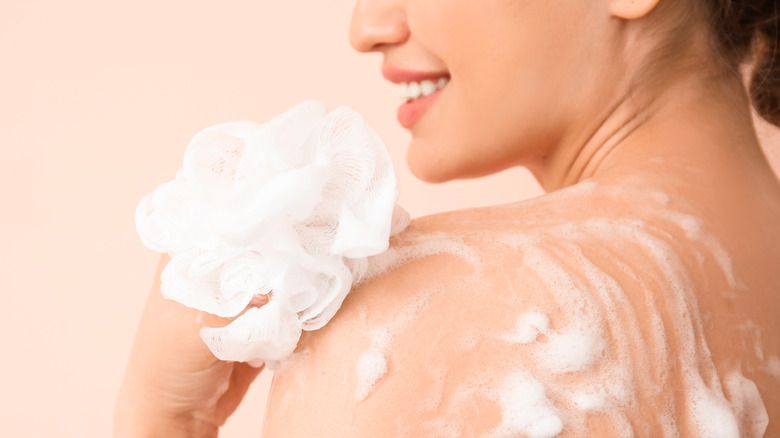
416,90
427,87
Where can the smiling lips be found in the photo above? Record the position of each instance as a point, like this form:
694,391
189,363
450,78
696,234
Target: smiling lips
420,89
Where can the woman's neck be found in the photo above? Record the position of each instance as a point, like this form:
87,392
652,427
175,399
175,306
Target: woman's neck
696,123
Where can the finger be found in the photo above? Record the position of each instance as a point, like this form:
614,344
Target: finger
244,374
202,318
258,301
206,319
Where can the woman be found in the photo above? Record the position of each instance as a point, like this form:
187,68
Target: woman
637,298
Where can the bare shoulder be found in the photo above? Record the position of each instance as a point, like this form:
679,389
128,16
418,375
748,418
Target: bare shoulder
570,315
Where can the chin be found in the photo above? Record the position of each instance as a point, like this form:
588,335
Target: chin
427,171
427,165
436,169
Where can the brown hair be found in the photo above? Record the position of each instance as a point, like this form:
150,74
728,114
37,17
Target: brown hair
747,31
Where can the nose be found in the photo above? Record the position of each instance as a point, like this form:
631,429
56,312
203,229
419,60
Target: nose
376,24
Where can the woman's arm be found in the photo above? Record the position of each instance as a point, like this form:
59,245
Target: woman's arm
173,385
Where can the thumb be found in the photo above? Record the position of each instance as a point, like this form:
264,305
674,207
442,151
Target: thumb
206,319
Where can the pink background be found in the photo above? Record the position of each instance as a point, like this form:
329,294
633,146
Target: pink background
97,103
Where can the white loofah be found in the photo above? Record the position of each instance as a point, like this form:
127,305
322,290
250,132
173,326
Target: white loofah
292,206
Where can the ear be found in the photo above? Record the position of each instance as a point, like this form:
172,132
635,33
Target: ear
631,9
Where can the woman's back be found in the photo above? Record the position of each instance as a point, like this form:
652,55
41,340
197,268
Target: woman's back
629,304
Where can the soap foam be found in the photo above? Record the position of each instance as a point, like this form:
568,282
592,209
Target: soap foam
772,367
569,352
372,365
528,328
370,368
526,409
581,345
417,246
589,400
711,414
748,405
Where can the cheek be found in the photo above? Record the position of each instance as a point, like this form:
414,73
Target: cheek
464,140
490,117
508,92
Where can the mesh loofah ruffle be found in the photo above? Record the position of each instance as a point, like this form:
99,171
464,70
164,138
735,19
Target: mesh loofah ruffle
290,208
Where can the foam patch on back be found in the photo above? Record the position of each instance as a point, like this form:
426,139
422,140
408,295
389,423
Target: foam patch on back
529,326
772,367
526,409
747,404
419,246
372,365
370,368
571,351
589,400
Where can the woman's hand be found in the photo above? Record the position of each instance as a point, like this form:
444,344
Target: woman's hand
173,385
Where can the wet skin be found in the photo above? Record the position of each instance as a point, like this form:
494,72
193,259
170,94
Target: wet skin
642,231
